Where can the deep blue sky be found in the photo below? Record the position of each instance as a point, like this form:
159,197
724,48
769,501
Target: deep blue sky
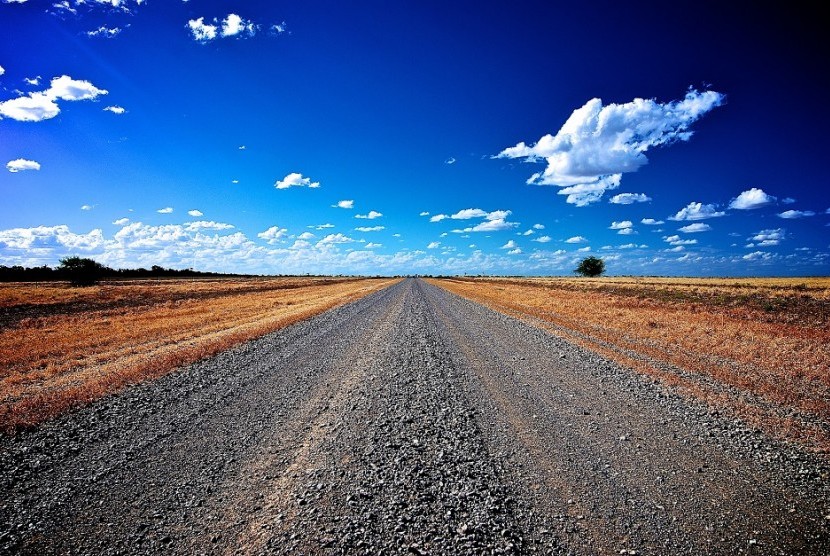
402,108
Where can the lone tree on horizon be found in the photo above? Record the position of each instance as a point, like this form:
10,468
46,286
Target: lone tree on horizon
81,271
590,267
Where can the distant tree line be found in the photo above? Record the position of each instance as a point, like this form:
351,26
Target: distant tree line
82,271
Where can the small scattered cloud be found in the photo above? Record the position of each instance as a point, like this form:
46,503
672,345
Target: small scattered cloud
751,199
86,207
598,144
695,228
305,236
757,256
104,32
434,245
538,226
2,70
629,198
576,239
516,251
788,200
115,109
371,245
344,204
767,238
43,105
542,239
509,245
584,249
697,211
332,239
22,165
371,215
195,213
273,235
792,214
121,221
527,233
676,240
651,222
424,213
627,231
296,179
34,81
370,228
466,214
207,225
620,225
438,217
165,210
322,226
279,28
234,25
450,160
202,31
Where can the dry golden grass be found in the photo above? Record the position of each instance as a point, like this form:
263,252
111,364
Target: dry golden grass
765,337
61,347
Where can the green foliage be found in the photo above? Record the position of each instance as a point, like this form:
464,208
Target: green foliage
591,266
81,271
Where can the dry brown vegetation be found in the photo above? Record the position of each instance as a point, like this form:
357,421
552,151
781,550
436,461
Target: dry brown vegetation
61,347
756,348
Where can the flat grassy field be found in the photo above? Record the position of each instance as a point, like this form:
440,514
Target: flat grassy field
758,348
61,347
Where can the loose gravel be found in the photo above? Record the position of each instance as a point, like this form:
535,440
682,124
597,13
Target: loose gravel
411,421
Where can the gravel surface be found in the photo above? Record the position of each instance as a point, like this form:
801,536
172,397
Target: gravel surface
411,421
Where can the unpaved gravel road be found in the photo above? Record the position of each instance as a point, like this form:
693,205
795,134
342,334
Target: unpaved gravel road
409,422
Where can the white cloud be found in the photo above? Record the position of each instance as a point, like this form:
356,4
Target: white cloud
675,240
620,225
584,249
86,207
751,199
626,231
790,214
195,213
697,211
597,144
466,214
767,238
788,200
279,28
242,147
121,222
515,251
305,236
492,226
207,225
538,226
22,165
202,31
42,105
370,228
629,198
115,109
371,245
105,32
757,256
296,179
344,204
322,226
234,25
165,210
542,239
47,238
334,238
576,239
695,228
651,222
273,235
424,213
370,216
2,69
434,245
438,217
509,245
450,160
527,233
34,81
